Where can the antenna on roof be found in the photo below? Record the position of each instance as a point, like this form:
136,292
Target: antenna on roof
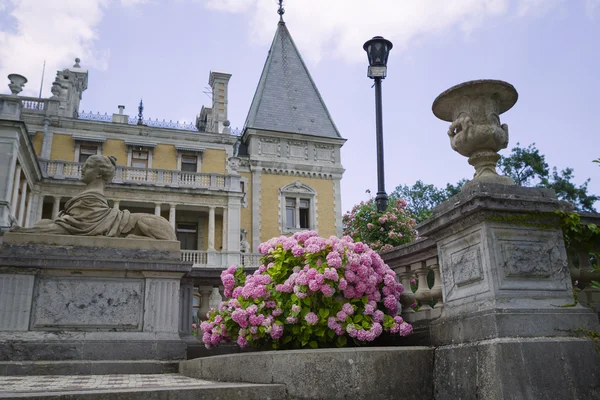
42,83
207,91
281,11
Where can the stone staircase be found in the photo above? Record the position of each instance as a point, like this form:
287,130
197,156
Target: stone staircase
133,387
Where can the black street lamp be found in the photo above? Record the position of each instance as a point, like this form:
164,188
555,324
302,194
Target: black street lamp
378,50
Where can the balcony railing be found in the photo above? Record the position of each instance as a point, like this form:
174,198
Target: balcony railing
251,260
200,258
196,257
145,176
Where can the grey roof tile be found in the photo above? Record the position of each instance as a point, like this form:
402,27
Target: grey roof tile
287,99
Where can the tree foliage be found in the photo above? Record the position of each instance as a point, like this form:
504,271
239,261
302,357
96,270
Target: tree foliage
524,165
380,230
527,167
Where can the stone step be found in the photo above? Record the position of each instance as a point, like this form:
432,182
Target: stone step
132,387
87,367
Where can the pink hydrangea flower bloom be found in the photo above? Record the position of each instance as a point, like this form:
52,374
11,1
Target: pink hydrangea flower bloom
311,318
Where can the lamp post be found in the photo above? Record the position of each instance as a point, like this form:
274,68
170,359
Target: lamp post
378,50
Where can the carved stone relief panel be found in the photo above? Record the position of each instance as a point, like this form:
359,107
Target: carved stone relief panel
530,259
462,265
269,147
297,150
324,152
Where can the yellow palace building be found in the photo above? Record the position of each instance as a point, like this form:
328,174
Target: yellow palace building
223,192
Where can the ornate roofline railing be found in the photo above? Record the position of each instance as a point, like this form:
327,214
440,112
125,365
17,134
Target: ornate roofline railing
154,123
146,176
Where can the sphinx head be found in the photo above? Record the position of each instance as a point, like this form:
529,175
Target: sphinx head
98,167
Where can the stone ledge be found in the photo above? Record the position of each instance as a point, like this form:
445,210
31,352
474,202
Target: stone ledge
221,391
510,323
14,238
518,368
348,373
483,201
92,367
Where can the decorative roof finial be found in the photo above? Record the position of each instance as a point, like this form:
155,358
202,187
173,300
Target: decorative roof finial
77,61
140,112
281,11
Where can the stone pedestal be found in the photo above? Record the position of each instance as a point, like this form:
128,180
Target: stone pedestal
72,304
506,328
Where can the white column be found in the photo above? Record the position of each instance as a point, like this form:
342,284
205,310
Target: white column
186,306
15,195
21,216
297,213
29,209
234,216
256,208
157,209
47,141
55,207
224,237
172,215
40,209
116,204
205,292
211,229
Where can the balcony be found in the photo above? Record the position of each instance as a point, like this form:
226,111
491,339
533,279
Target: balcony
204,259
145,176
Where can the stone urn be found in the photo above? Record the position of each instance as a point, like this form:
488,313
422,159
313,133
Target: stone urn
474,109
16,83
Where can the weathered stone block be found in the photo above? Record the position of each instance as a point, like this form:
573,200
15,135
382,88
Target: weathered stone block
16,292
349,373
515,369
87,303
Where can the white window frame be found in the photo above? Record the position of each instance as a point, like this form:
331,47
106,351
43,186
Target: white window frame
181,151
84,141
131,147
298,191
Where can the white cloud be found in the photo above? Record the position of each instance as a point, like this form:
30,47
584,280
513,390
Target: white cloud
133,3
591,8
56,31
337,28
230,5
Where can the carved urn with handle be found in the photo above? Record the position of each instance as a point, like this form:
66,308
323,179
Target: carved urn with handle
474,109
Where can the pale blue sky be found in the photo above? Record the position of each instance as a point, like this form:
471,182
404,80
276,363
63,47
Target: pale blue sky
163,51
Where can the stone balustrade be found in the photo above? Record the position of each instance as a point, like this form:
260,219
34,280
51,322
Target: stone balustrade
581,268
195,257
57,169
202,259
250,260
36,105
417,260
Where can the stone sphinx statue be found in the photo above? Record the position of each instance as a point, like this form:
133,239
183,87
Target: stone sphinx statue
88,214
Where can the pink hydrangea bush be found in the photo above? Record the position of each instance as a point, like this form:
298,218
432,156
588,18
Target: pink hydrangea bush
309,292
382,231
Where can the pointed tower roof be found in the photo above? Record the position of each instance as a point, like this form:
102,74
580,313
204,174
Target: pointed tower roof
287,99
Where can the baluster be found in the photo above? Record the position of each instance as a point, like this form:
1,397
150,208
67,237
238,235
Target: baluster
423,293
118,174
59,170
407,298
436,290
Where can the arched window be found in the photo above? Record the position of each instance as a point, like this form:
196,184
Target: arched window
298,208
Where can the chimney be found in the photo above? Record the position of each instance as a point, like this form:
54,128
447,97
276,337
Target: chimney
218,81
120,118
